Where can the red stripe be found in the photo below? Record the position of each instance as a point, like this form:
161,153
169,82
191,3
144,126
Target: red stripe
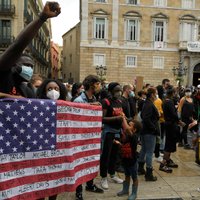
68,130
72,117
79,105
45,177
53,191
63,145
46,161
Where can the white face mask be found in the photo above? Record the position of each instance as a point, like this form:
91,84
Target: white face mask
53,94
188,94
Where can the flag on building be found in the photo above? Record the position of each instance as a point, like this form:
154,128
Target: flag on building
47,147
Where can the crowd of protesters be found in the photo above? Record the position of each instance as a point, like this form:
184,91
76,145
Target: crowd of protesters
155,118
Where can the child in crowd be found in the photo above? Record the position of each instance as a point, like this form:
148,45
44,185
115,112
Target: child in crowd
129,157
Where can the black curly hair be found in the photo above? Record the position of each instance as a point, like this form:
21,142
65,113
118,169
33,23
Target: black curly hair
41,92
90,80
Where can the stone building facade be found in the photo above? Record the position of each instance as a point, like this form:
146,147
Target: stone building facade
14,16
138,38
54,60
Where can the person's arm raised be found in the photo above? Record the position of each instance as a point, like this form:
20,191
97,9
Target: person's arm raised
14,51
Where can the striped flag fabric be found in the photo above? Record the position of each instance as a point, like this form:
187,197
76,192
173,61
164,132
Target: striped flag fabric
47,147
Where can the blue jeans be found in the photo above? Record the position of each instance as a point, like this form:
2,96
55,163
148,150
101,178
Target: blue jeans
148,146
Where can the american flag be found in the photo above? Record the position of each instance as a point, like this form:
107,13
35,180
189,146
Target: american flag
47,147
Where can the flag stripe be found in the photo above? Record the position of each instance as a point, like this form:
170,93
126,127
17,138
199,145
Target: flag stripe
77,137
73,117
38,186
54,174
78,130
94,142
46,161
74,124
78,109
47,154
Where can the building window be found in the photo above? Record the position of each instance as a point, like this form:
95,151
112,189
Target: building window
70,39
158,62
198,37
100,28
70,58
5,3
132,30
99,59
160,3
188,4
5,29
187,31
131,61
159,33
134,2
101,1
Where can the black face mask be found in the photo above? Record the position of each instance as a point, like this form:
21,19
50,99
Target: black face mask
117,94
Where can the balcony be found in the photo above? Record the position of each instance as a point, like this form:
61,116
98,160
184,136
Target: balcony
183,45
37,55
28,17
7,10
6,41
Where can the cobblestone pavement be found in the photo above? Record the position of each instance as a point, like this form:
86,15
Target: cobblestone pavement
181,184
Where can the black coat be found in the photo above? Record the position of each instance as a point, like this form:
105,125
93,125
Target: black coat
150,118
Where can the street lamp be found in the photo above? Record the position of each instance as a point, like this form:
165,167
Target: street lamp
179,72
101,71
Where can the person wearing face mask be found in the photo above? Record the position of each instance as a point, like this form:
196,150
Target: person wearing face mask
158,104
150,130
127,92
171,129
132,101
186,112
112,124
16,69
52,89
35,82
55,90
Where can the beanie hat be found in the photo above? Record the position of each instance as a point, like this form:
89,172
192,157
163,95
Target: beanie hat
188,90
112,85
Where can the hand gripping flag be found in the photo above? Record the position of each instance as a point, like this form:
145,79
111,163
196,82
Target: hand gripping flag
47,147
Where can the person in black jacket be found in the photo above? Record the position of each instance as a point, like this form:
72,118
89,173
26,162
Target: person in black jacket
172,130
150,130
16,68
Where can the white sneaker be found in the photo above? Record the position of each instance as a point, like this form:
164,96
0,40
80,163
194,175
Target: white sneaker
104,183
161,154
198,189
159,159
115,179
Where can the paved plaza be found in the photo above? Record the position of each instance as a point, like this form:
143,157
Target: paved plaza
181,184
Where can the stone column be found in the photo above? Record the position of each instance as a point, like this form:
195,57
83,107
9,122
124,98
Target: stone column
115,23
84,21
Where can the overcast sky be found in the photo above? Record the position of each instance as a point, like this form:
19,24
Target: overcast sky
68,18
